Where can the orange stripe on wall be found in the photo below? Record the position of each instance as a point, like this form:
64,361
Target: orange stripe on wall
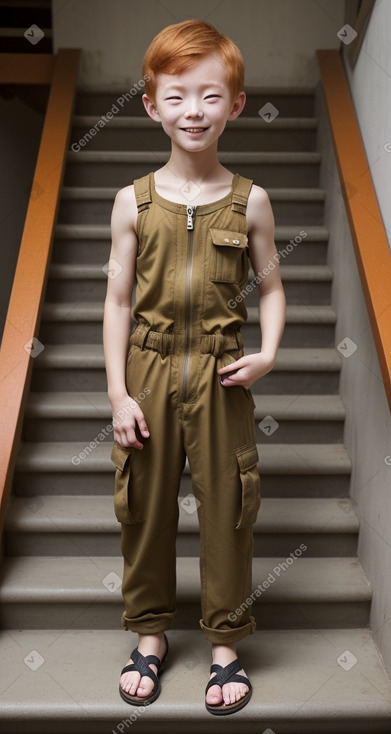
365,220
28,290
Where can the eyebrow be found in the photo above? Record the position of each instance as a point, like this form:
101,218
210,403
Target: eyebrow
202,86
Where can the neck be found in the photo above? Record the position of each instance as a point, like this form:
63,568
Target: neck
197,167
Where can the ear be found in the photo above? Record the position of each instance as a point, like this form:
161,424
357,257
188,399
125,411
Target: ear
150,108
237,106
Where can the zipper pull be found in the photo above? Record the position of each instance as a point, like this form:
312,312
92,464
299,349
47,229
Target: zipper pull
190,211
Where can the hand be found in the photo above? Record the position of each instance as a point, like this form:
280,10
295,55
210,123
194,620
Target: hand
249,369
128,419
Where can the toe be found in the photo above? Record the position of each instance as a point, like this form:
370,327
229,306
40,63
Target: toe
214,694
145,687
233,692
130,681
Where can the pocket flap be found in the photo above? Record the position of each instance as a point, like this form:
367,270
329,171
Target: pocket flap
247,458
228,238
119,455
250,481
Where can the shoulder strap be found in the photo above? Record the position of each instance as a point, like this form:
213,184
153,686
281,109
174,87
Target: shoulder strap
142,191
240,193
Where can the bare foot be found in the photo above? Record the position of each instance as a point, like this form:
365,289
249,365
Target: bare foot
230,692
132,682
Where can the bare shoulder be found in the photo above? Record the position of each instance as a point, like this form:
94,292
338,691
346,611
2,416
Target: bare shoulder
259,211
124,213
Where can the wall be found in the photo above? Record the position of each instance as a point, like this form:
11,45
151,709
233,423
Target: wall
20,133
370,84
368,423
276,37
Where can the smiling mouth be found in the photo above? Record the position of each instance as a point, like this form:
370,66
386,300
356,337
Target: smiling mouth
194,129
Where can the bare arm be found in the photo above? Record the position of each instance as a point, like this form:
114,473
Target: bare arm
272,302
116,319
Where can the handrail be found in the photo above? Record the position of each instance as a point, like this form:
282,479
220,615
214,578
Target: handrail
27,295
365,220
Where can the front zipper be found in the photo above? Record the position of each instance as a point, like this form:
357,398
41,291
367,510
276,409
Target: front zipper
190,211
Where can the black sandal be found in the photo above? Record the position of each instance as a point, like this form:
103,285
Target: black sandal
227,675
141,665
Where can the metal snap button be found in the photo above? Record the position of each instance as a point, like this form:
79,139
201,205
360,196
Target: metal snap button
236,242
226,239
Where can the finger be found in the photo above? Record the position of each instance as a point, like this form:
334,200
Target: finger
133,441
128,439
142,424
232,366
228,381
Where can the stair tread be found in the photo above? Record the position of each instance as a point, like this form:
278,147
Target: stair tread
78,271
316,233
103,88
294,673
273,458
97,405
45,579
162,156
123,121
94,513
93,311
91,356
109,192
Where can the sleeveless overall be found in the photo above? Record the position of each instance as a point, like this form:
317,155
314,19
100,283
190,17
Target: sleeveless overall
191,262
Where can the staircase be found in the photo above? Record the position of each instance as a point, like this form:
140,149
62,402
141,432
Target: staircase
312,661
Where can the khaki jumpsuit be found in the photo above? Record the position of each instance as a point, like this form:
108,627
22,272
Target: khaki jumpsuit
191,261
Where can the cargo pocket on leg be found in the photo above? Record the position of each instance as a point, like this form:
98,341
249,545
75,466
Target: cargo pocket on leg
247,457
121,456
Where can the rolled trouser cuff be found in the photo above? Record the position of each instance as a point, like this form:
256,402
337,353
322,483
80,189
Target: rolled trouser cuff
227,636
148,624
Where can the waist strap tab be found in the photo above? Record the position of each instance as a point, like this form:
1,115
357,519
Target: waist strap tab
163,342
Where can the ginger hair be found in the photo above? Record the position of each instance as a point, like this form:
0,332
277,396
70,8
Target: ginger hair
179,46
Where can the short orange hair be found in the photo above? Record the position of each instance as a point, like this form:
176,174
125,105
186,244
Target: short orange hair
179,46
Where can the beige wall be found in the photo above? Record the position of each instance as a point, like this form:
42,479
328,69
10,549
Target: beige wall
368,422
276,37
370,83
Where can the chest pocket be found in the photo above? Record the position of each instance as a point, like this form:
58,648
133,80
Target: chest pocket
228,255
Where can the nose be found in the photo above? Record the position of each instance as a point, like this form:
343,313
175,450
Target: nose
193,111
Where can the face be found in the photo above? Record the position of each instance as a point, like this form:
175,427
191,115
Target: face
193,107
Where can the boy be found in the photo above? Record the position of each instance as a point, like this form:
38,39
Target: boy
187,231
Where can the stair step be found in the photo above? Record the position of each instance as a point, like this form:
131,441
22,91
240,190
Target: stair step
290,102
91,355
97,405
88,271
92,311
302,686
245,122
232,157
274,458
306,592
73,367
89,243
303,284
246,133
283,234
111,168
299,687
85,468
78,416
78,322
63,525
93,205
107,193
